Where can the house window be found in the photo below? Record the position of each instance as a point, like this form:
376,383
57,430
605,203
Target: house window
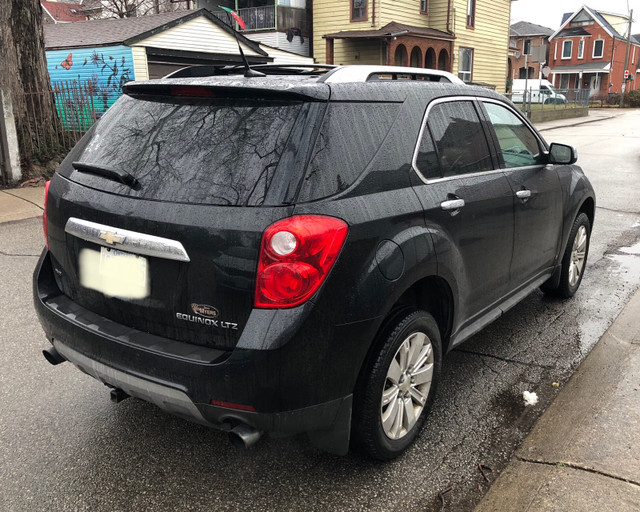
358,10
471,13
581,49
424,4
564,81
465,64
567,49
598,48
527,47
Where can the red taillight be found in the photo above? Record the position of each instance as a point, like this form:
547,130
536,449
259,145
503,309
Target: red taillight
295,257
230,405
44,214
191,91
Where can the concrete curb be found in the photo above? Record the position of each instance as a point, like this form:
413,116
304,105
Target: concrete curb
582,453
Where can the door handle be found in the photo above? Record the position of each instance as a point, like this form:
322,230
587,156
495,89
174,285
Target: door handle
452,204
523,194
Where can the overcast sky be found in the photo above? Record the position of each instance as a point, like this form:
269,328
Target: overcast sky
549,12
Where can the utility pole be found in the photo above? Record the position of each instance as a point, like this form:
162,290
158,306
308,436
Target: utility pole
626,59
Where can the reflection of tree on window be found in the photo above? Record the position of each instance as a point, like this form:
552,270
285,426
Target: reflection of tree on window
459,138
193,151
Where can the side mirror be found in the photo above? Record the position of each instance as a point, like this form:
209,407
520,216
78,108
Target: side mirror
562,154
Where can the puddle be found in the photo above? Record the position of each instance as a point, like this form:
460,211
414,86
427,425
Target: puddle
634,249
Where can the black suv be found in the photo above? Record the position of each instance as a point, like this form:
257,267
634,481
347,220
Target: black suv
296,252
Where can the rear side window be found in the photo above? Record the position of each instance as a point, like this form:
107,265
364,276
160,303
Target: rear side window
222,152
350,136
459,140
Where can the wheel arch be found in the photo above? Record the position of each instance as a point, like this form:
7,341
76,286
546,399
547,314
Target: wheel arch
432,294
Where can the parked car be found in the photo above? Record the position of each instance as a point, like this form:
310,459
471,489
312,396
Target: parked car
297,252
538,91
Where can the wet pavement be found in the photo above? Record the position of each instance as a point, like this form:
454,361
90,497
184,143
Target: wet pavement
65,446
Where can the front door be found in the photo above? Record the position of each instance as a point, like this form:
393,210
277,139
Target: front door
537,195
594,85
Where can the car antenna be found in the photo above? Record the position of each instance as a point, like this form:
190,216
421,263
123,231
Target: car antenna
248,72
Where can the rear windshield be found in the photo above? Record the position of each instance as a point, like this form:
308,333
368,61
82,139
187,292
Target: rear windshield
222,152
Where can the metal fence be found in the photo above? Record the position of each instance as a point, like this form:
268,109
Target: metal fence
536,99
76,108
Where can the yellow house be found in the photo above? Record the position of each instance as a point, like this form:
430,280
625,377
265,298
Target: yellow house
467,37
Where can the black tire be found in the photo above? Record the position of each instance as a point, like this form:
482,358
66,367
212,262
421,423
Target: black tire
569,284
368,433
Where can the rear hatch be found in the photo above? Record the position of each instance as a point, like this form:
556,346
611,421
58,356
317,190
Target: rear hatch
156,217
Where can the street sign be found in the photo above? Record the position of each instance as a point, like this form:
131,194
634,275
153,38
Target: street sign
626,74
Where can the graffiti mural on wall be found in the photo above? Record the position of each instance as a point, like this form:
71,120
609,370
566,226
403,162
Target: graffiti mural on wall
87,81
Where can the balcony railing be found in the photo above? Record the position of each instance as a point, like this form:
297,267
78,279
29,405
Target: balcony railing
259,18
255,18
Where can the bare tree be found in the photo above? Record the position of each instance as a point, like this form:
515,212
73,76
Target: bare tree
25,69
133,8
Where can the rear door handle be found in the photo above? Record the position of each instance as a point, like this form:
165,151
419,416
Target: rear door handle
452,204
523,194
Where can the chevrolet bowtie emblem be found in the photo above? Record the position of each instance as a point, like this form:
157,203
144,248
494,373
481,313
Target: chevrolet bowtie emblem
111,238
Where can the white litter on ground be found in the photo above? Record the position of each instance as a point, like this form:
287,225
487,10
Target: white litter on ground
530,398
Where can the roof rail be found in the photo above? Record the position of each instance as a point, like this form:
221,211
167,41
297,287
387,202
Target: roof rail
332,74
367,73
267,69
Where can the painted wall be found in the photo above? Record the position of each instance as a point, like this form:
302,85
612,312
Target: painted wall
86,80
489,39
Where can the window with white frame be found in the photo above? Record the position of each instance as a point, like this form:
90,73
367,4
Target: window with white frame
581,49
465,64
567,49
598,48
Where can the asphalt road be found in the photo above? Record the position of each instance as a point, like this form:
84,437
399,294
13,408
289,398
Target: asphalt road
65,446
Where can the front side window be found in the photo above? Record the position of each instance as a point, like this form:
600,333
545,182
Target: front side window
581,49
567,49
471,13
598,48
527,47
459,139
518,145
358,10
465,64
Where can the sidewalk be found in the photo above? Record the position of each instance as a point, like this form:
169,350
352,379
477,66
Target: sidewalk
595,115
21,203
584,451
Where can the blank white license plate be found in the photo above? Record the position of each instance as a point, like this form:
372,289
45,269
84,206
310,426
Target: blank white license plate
114,273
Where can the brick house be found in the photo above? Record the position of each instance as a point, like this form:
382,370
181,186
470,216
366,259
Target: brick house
588,52
525,36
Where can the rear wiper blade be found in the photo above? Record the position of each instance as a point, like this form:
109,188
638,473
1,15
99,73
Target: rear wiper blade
113,174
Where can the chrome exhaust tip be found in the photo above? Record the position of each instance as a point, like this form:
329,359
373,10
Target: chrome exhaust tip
244,436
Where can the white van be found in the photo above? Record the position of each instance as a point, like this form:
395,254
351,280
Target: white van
541,91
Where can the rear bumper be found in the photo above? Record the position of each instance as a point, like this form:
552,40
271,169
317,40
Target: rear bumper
284,384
